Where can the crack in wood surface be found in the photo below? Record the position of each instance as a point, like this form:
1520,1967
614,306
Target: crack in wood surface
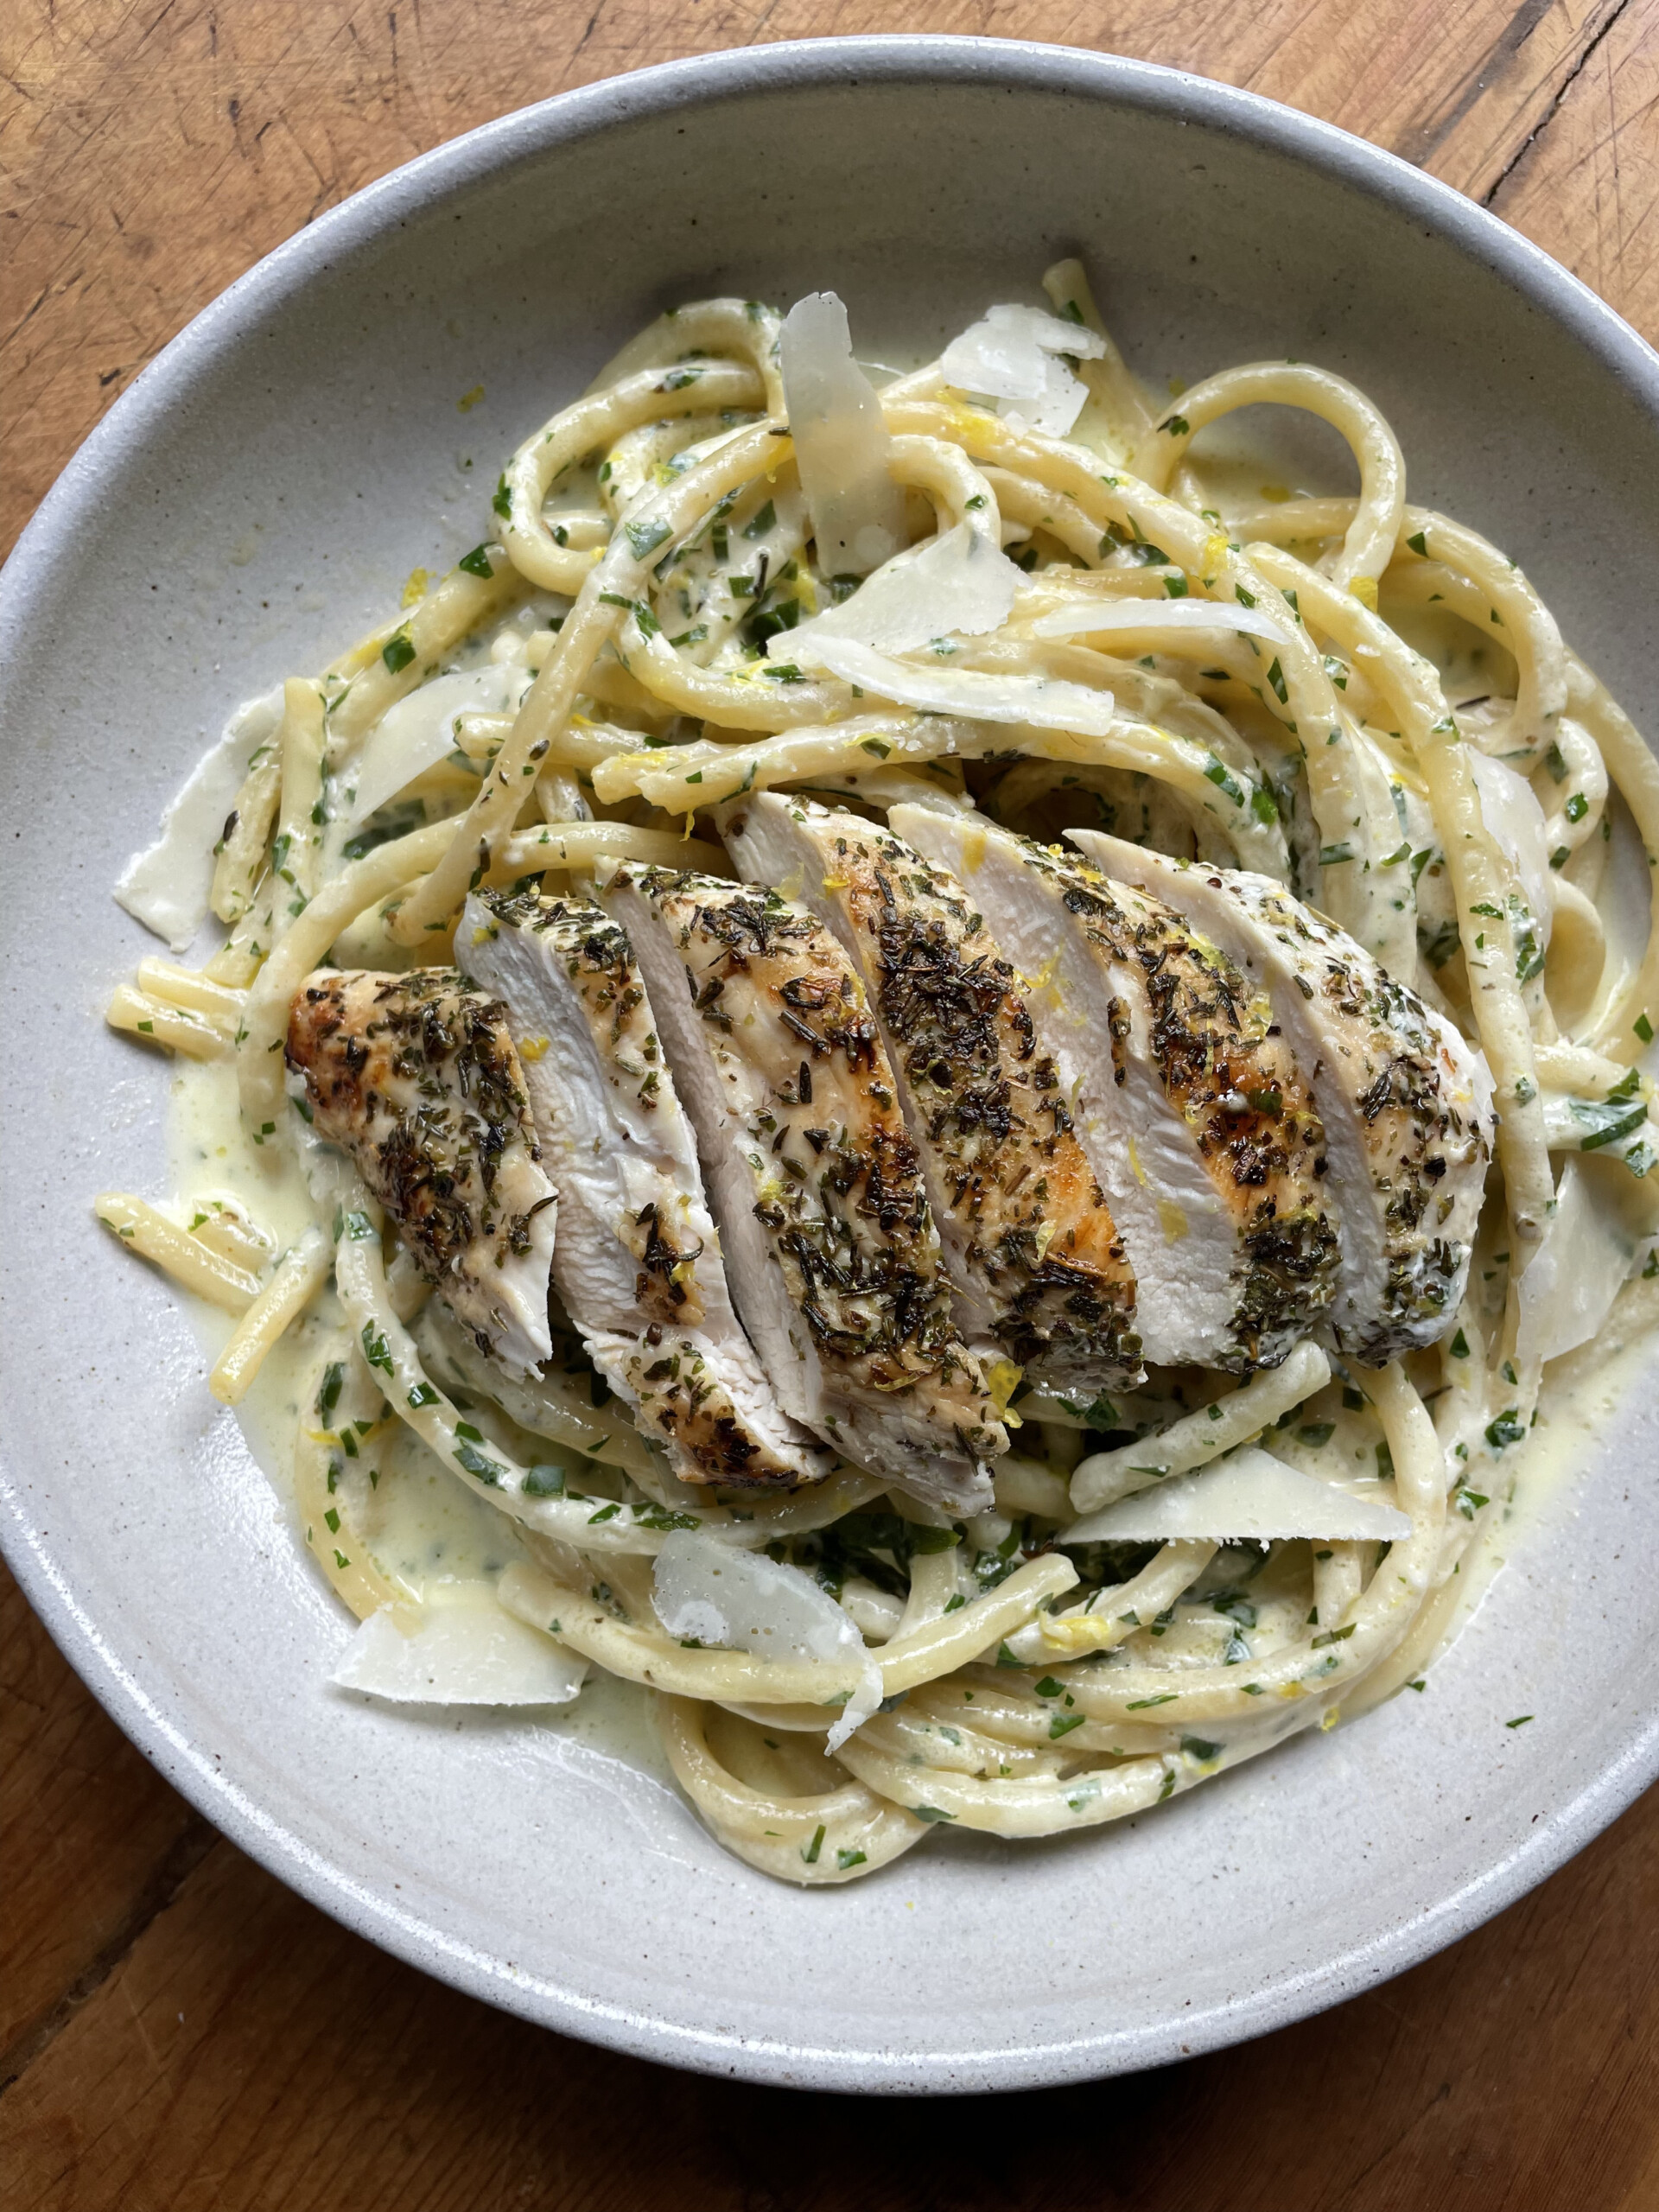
187,1851
1417,146
1566,84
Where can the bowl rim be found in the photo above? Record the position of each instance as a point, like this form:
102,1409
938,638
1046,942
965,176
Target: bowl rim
49,541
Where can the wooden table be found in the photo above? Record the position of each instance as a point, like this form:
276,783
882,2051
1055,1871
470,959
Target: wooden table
176,2029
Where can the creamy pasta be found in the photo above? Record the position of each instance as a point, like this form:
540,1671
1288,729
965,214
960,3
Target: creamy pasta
1005,614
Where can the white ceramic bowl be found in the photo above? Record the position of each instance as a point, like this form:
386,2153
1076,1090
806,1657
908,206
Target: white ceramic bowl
256,499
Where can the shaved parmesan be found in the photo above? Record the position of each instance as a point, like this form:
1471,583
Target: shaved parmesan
167,886
1081,617
743,1601
1509,807
1011,356
959,585
462,1648
842,449
1037,700
416,734
1249,1495
1583,1258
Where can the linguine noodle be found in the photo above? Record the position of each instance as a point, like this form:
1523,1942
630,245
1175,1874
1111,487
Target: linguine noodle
1335,692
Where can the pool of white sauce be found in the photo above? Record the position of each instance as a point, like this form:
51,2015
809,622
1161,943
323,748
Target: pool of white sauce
424,1526
428,1528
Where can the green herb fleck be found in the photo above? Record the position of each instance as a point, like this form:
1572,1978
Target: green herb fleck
488,1471
644,536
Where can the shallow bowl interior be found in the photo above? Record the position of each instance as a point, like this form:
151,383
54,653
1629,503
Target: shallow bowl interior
257,500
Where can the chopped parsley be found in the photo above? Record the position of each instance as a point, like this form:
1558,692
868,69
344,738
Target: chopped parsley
644,536
483,1469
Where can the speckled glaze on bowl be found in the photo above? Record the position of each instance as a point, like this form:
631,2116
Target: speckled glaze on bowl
256,499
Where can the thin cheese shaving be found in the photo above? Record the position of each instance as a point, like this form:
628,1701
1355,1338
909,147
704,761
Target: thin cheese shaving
956,585
458,1648
1248,1495
842,447
1579,1269
418,731
743,1601
1081,618
1012,355
1033,700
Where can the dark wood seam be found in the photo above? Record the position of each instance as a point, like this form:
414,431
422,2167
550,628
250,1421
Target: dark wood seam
167,1879
1489,195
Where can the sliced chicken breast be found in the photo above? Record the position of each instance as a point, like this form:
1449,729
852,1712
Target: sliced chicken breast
415,1077
823,1216
637,1263
1026,1235
1186,1097
1406,1104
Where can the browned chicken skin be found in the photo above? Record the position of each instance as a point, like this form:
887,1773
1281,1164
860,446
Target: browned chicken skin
415,1077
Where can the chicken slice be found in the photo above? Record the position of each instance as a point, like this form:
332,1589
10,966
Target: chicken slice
1187,1099
637,1263
823,1216
415,1076
1025,1233
1407,1104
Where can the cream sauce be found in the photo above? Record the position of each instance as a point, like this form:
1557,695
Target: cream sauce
421,1524
1580,1397
424,1527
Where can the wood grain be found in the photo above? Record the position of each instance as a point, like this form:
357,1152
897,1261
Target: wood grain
247,2053
178,2031
94,1840
153,151
1588,189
